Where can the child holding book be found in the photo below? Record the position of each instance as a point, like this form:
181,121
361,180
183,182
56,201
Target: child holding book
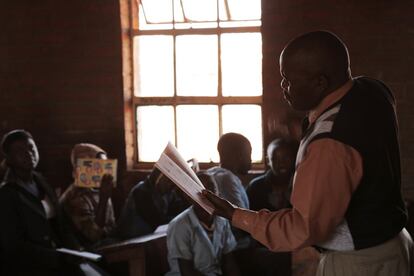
90,209
199,243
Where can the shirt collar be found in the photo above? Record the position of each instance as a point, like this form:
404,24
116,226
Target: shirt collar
195,222
329,100
11,177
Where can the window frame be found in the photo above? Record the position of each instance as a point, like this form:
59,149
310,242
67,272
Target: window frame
219,100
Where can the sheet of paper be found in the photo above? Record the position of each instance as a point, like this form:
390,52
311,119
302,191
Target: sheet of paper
82,254
161,229
89,171
181,175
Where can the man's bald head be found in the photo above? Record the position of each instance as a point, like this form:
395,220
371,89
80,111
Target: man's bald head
320,52
316,61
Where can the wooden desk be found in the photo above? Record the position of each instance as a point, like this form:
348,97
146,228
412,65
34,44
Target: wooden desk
146,255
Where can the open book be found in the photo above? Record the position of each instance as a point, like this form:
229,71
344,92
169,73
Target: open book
173,166
89,171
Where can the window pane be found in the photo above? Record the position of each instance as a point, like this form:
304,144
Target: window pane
198,132
223,10
196,65
244,10
241,57
205,10
157,11
155,126
246,120
178,11
144,25
232,24
198,25
153,59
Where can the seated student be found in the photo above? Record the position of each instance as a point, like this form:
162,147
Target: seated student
199,243
90,209
235,159
33,223
271,190
150,203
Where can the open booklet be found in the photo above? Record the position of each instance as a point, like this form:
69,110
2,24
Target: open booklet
89,171
173,166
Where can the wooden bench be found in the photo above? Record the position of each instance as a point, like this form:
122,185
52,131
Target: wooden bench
146,255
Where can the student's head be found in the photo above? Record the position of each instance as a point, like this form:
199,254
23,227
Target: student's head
235,152
281,156
208,181
20,150
162,184
312,66
86,150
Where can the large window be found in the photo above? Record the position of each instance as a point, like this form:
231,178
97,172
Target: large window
197,75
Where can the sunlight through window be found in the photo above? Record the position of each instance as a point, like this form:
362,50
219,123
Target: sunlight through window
197,75
155,127
198,131
247,120
154,61
197,65
241,58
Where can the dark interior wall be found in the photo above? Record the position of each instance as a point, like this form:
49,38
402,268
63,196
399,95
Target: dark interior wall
61,68
61,77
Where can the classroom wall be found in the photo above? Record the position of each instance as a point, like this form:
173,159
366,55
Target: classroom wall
61,73
61,77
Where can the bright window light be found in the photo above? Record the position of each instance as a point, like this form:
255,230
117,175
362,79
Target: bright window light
198,131
155,125
241,57
205,10
154,66
154,14
197,65
246,120
244,10
197,75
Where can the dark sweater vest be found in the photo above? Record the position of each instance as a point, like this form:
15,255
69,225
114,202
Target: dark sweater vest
365,120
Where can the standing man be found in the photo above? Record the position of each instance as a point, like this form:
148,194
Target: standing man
346,198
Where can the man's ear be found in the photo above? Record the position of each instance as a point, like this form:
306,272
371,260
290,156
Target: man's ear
322,82
267,160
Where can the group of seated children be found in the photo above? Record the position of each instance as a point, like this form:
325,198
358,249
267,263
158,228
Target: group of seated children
38,223
34,224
